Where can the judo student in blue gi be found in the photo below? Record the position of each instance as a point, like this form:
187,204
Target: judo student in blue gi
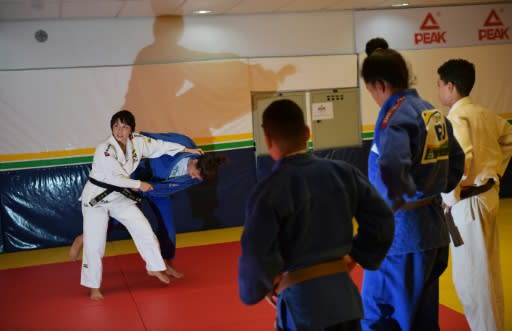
298,244
108,193
169,174
414,157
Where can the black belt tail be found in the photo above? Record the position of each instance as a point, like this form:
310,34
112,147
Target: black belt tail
109,189
452,229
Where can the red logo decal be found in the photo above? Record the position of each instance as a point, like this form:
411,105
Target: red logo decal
493,28
493,19
429,23
427,35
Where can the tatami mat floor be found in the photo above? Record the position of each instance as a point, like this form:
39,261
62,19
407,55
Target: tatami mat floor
448,296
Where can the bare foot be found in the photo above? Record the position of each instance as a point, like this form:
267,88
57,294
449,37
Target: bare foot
172,272
160,275
76,247
96,294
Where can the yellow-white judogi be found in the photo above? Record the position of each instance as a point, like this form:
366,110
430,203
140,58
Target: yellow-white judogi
110,165
486,139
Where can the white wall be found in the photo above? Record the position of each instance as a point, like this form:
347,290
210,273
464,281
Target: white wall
57,94
104,42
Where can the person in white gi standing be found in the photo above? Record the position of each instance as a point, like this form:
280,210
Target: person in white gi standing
114,161
486,139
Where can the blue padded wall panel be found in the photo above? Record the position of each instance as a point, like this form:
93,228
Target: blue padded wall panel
39,208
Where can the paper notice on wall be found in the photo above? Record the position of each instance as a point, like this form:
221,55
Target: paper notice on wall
322,111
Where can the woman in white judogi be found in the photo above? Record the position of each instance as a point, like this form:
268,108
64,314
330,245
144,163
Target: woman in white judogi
114,161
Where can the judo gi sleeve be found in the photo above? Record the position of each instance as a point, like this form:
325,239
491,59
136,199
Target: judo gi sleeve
376,225
396,160
456,159
260,261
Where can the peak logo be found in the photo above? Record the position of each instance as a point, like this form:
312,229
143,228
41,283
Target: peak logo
429,23
493,28
493,19
430,32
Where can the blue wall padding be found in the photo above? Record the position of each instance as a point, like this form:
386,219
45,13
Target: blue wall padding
39,208
357,156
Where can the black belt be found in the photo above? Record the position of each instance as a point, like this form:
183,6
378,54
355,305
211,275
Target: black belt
464,194
109,189
452,228
467,192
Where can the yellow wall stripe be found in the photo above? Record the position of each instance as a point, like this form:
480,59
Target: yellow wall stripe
47,155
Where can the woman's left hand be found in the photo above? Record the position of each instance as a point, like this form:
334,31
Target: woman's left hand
194,151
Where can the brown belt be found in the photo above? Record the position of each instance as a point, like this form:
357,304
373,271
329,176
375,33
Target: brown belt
453,230
470,191
290,278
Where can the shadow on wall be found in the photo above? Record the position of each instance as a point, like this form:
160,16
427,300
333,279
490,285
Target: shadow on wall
200,94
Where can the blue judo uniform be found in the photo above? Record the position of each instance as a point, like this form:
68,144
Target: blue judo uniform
156,171
301,215
414,156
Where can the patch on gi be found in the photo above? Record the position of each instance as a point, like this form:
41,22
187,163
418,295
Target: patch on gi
436,142
106,153
85,265
390,112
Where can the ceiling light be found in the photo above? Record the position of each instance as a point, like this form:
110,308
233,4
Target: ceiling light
202,12
402,4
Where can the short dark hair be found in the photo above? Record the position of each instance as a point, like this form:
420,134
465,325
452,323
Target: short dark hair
208,165
125,117
460,73
283,120
386,65
375,43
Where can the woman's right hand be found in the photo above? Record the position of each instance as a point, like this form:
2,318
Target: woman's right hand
145,187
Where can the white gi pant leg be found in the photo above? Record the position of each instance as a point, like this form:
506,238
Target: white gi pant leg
476,267
95,232
142,234
95,238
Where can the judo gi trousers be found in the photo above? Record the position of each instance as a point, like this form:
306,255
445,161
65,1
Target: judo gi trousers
403,294
476,268
95,235
165,230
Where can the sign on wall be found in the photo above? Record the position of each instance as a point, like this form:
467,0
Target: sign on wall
435,27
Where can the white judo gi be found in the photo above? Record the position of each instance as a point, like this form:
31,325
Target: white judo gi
110,165
486,139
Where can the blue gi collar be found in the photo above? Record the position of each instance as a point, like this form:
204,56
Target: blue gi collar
294,158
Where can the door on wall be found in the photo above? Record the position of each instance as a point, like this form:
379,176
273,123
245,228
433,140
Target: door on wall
260,101
335,118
